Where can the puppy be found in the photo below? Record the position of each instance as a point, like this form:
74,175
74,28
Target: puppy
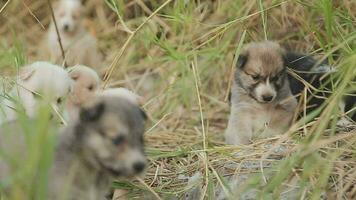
319,76
264,96
262,104
105,143
86,85
124,93
39,80
349,104
79,46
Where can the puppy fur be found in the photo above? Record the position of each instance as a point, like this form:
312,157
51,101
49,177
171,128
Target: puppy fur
262,104
105,143
79,46
37,81
86,85
318,76
124,93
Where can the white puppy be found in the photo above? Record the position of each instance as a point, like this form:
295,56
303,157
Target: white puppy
39,80
86,85
79,46
124,93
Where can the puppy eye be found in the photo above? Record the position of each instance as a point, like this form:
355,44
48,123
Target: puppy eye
255,77
275,78
91,87
59,100
119,140
74,78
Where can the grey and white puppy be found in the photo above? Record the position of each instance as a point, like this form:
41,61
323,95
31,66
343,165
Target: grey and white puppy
105,143
262,104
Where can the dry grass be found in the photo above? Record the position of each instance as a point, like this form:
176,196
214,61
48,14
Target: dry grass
187,50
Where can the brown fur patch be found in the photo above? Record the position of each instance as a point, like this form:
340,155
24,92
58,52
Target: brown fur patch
267,58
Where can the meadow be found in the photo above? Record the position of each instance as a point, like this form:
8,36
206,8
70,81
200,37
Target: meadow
179,55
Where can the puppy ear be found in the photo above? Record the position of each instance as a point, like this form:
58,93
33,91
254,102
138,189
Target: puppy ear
92,113
289,58
143,113
26,73
241,61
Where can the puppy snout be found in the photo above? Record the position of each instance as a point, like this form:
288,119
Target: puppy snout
66,27
138,166
267,97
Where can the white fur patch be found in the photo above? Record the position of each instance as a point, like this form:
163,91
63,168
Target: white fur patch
97,143
264,89
50,81
123,93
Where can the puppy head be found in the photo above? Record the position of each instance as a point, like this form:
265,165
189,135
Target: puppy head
44,81
111,134
86,84
68,15
261,71
124,93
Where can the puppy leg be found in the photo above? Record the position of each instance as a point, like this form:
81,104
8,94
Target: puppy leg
29,103
343,121
239,129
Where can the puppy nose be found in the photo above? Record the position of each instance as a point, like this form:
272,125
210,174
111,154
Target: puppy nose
66,27
267,98
138,166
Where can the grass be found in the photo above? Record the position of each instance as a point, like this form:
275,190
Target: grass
188,49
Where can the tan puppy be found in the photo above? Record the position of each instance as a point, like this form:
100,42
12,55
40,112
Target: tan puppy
86,84
262,104
39,80
79,46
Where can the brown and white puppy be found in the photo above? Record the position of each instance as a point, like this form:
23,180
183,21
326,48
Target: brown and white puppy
86,85
104,144
262,104
264,96
39,80
79,45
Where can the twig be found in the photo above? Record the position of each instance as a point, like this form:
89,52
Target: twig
124,47
148,11
58,35
205,142
33,15
233,64
149,188
223,27
8,1
157,123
